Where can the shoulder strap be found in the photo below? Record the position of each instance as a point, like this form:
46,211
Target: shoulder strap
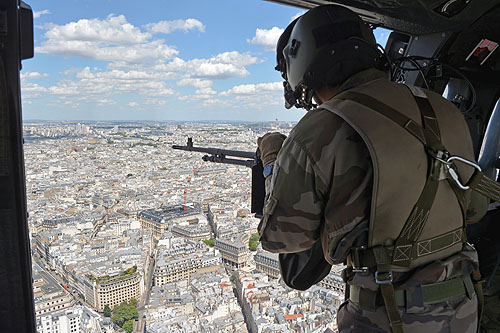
429,135
479,182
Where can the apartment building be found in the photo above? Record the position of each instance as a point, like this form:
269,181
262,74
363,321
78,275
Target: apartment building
233,252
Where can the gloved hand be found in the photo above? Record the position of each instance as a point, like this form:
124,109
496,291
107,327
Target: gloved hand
269,146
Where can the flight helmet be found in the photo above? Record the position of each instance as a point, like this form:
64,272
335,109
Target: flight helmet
323,47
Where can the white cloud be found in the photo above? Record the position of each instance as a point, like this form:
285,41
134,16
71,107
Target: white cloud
40,13
166,27
105,101
144,83
206,91
137,64
148,53
268,38
67,88
102,87
133,104
152,101
257,96
31,90
216,102
250,89
112,30
221,66
112,39
33,75
121,75
198,83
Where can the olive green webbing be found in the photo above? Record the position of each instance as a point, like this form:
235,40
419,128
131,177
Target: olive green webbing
430,123
485,185
479,181
429,136
407,123
415,223
383,277
431,293
363,258
412,229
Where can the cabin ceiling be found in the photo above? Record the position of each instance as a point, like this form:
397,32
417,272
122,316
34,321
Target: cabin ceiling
414,17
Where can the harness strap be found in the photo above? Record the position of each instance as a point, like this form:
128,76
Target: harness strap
383,277
415,223
362,258
425,294
485,185
409,124
429,136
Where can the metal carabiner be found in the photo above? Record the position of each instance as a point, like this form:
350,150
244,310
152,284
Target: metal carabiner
454,174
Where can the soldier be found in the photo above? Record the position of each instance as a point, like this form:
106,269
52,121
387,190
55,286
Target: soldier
366,178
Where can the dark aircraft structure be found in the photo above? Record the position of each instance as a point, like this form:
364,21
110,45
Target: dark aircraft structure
448,46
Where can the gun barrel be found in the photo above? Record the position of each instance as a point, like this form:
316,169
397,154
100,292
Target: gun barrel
217,159
218,152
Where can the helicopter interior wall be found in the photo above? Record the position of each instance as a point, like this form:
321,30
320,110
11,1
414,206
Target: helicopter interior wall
486,27
409,16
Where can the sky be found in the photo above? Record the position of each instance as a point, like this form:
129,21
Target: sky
157,60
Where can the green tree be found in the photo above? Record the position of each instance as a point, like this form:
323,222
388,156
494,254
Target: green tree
128,326
130,270
107,311
253,242
117,319
209,242
124,312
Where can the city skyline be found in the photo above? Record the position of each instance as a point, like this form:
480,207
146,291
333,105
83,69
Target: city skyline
118,219
187,61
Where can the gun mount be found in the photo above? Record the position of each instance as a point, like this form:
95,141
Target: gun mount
244,158
217,155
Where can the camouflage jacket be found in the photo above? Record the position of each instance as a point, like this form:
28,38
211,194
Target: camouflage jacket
323,171
322,179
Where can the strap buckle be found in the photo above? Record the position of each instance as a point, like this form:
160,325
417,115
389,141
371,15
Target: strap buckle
454,174
357,266
389,280
360,270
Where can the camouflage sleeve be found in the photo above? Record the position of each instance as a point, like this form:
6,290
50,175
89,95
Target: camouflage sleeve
292,213
320,188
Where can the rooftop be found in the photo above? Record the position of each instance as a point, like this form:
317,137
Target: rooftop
169,213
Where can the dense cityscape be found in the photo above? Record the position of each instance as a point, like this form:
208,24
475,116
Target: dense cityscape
128,234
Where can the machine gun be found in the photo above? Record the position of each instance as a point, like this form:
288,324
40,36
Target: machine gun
244,158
